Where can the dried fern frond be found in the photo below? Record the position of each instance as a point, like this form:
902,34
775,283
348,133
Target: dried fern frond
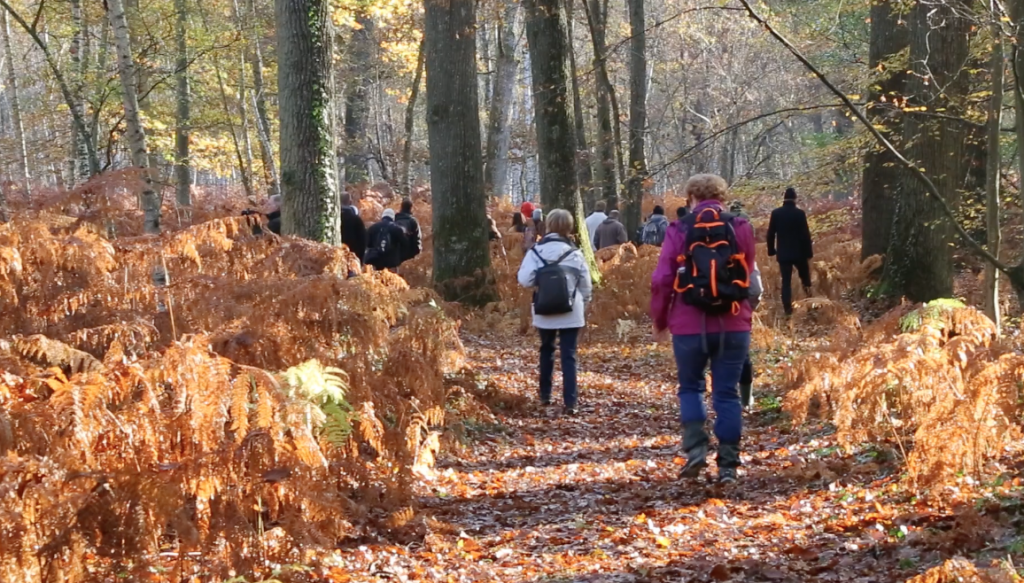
47,352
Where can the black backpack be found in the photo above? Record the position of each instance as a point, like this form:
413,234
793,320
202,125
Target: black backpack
380,247
553,295
714,275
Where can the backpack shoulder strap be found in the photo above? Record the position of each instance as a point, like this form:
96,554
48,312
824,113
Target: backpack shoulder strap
543,261
566,254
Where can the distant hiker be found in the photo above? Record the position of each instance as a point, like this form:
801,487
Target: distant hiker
386,242
538,223
273,214
526,209
596,218
681,212
611,232
654,231
789,239
413,239
353,229
736,208
557,271
699,293
518,225
534,230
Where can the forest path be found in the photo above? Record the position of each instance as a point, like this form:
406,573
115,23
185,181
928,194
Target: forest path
596,498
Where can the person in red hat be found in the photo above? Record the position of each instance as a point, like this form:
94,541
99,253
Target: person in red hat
532,231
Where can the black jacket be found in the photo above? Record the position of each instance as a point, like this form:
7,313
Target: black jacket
413,241
274,222
353,231
789,226
385,242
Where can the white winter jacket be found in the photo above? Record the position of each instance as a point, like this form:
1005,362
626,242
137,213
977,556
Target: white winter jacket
593,222
551,247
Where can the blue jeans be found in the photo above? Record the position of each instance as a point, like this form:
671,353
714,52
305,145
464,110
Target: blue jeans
726,366
567,346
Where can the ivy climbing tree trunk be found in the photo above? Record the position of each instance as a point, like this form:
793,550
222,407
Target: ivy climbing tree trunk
183,110
637,172
136,134
499,130
310,206
21,150
461,250
556,142
362,50
920,261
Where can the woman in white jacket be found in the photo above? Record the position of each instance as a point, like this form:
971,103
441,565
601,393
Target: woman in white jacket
567,326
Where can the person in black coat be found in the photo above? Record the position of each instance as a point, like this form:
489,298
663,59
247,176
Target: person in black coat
386,242
413,239
789,239
353,229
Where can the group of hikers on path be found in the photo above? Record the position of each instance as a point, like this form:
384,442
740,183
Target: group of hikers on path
704,291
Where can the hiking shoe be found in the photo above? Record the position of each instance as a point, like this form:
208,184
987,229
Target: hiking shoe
695,444
728,476
571,411
545,402
696,461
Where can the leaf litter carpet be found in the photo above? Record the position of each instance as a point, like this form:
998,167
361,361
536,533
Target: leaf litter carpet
596,498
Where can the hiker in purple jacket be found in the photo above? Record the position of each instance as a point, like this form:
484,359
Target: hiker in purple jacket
699,336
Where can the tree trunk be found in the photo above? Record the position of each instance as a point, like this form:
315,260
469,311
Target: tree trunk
182,162
62,83
556,144
637,117
243,114
920,264
881,170
405,183
993,172
79,163
260,102
556,147
310,207
357,101
19,130
462,258
584,172
597,17
135,133
499,130
1017,62
236,139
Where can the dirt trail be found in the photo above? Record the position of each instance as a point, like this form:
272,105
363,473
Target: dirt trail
541,497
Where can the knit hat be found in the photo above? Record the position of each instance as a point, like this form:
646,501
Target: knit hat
527,209
790,194
389,214
537,215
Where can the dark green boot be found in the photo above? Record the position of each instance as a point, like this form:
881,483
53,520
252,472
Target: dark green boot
747,396
695,444
728,462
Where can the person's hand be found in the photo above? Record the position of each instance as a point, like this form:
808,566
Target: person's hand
660,335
